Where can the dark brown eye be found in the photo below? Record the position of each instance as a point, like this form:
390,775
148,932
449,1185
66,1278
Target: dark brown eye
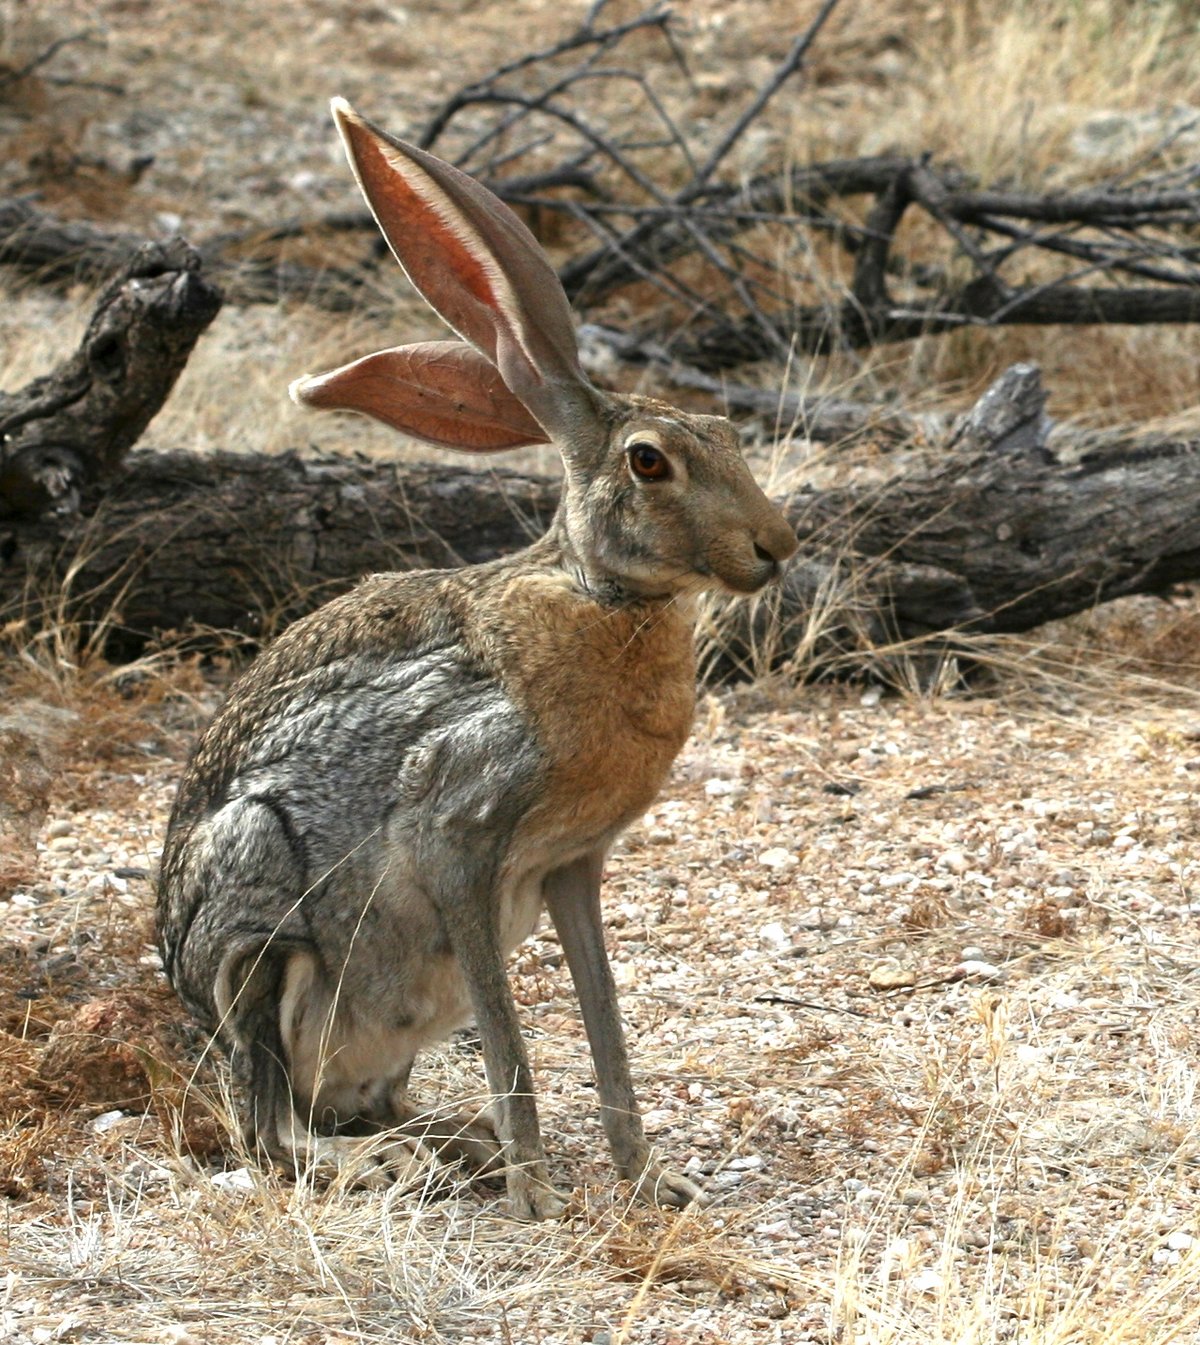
648,462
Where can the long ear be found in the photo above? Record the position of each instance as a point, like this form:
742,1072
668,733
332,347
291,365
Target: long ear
477,266
440,391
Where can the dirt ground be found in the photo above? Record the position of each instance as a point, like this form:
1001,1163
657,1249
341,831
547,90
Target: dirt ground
911,984
912,977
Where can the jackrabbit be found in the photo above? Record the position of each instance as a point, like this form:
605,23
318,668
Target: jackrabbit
400,784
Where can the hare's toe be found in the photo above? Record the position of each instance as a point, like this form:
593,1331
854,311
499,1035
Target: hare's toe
409,1163
531,1198
397,1162
372,1163
468,1138
658,1185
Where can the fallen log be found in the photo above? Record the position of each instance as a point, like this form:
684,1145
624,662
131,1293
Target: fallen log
996,532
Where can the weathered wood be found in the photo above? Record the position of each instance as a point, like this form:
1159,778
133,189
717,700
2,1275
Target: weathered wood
243,543
822,418
1008,532
73,427
995,533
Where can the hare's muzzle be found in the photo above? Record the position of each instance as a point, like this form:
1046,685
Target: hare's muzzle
774,543
771,567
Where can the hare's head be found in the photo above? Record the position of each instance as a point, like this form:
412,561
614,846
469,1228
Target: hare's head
656,501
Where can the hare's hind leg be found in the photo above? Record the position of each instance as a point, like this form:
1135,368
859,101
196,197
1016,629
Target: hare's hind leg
265,996
352,1071
246,996
572,896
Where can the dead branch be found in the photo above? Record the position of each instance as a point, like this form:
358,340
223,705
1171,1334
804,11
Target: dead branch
10,75
600,40
821,418
72,428
1122,253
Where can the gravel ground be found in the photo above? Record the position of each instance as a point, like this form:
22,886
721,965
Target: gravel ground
911,984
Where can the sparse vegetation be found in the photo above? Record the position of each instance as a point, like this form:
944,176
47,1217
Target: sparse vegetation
1002,1147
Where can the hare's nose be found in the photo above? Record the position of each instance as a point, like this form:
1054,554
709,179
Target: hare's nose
775,542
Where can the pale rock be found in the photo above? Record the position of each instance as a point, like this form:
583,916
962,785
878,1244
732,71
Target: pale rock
891,976
777,858
928,1281
774,935
238,1179
975,969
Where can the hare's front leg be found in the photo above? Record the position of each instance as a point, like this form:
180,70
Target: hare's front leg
469,912
572,896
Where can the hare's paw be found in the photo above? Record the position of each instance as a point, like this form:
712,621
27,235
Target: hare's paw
659,1185
475,1144
531,1198
470,1140
409,1164
375,1163
462,1137
396,1161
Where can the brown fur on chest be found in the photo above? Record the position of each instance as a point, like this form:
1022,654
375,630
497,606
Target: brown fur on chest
610,693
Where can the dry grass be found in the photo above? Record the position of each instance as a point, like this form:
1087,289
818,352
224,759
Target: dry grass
959,1159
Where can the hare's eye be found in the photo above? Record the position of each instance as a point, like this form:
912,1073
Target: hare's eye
648,462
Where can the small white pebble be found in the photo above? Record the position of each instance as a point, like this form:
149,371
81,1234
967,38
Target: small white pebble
776,858
774,935
927,1281
1180,1241
238,1179
106,882
976,969
716,789
105,1122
